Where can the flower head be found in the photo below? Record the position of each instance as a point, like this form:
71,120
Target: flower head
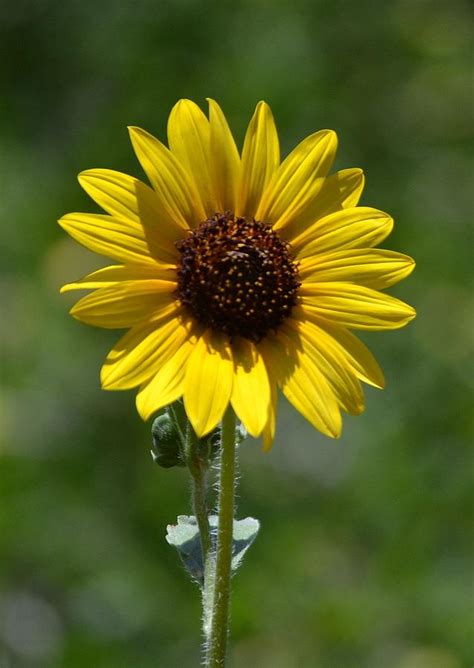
238,274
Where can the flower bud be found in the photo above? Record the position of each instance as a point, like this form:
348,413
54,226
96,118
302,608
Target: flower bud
166,451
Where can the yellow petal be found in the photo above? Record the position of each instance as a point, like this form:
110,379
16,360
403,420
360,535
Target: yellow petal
166,385
268,434
123,196
356,353
189,141
298,180
260,159
208,382
143,350
225,160
358,227
176,194
117,238
375,268
302,382
251,390
326,356
342,190
355,306
125,304
107,276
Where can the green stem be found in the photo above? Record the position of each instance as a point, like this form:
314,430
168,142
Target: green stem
200,511
198,469
221,591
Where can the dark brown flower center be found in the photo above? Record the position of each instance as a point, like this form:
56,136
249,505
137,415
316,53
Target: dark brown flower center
237,276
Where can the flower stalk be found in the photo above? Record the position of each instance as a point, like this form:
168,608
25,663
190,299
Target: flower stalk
221,586
198,470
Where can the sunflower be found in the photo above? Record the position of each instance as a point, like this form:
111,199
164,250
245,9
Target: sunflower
239,274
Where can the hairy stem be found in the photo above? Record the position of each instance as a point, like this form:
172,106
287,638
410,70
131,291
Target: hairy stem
198,469
219,632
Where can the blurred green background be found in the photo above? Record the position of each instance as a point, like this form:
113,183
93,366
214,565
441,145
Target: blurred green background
363,560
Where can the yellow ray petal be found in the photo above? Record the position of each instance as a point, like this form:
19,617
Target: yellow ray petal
189,141
356,353
171,184
342,190
268,433
260,159
123,196
224,160
302,382
167,384
358,227
251,390
326,356
142,351
298,180
119,239
375,268
208,382
118,194
107,276
125,304
355,306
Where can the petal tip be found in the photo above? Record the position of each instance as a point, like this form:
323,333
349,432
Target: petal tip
106,378
359,174
214,106
267,445
334,429
64,288
381,383
134,131
201,430
254,432
184,101
80,317
328,136
144,414
64,220
84,175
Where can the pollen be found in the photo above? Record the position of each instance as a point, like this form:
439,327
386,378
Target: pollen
220,260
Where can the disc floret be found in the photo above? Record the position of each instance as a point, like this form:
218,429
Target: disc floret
237,276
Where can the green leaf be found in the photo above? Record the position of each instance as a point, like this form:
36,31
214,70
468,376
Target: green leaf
184,536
